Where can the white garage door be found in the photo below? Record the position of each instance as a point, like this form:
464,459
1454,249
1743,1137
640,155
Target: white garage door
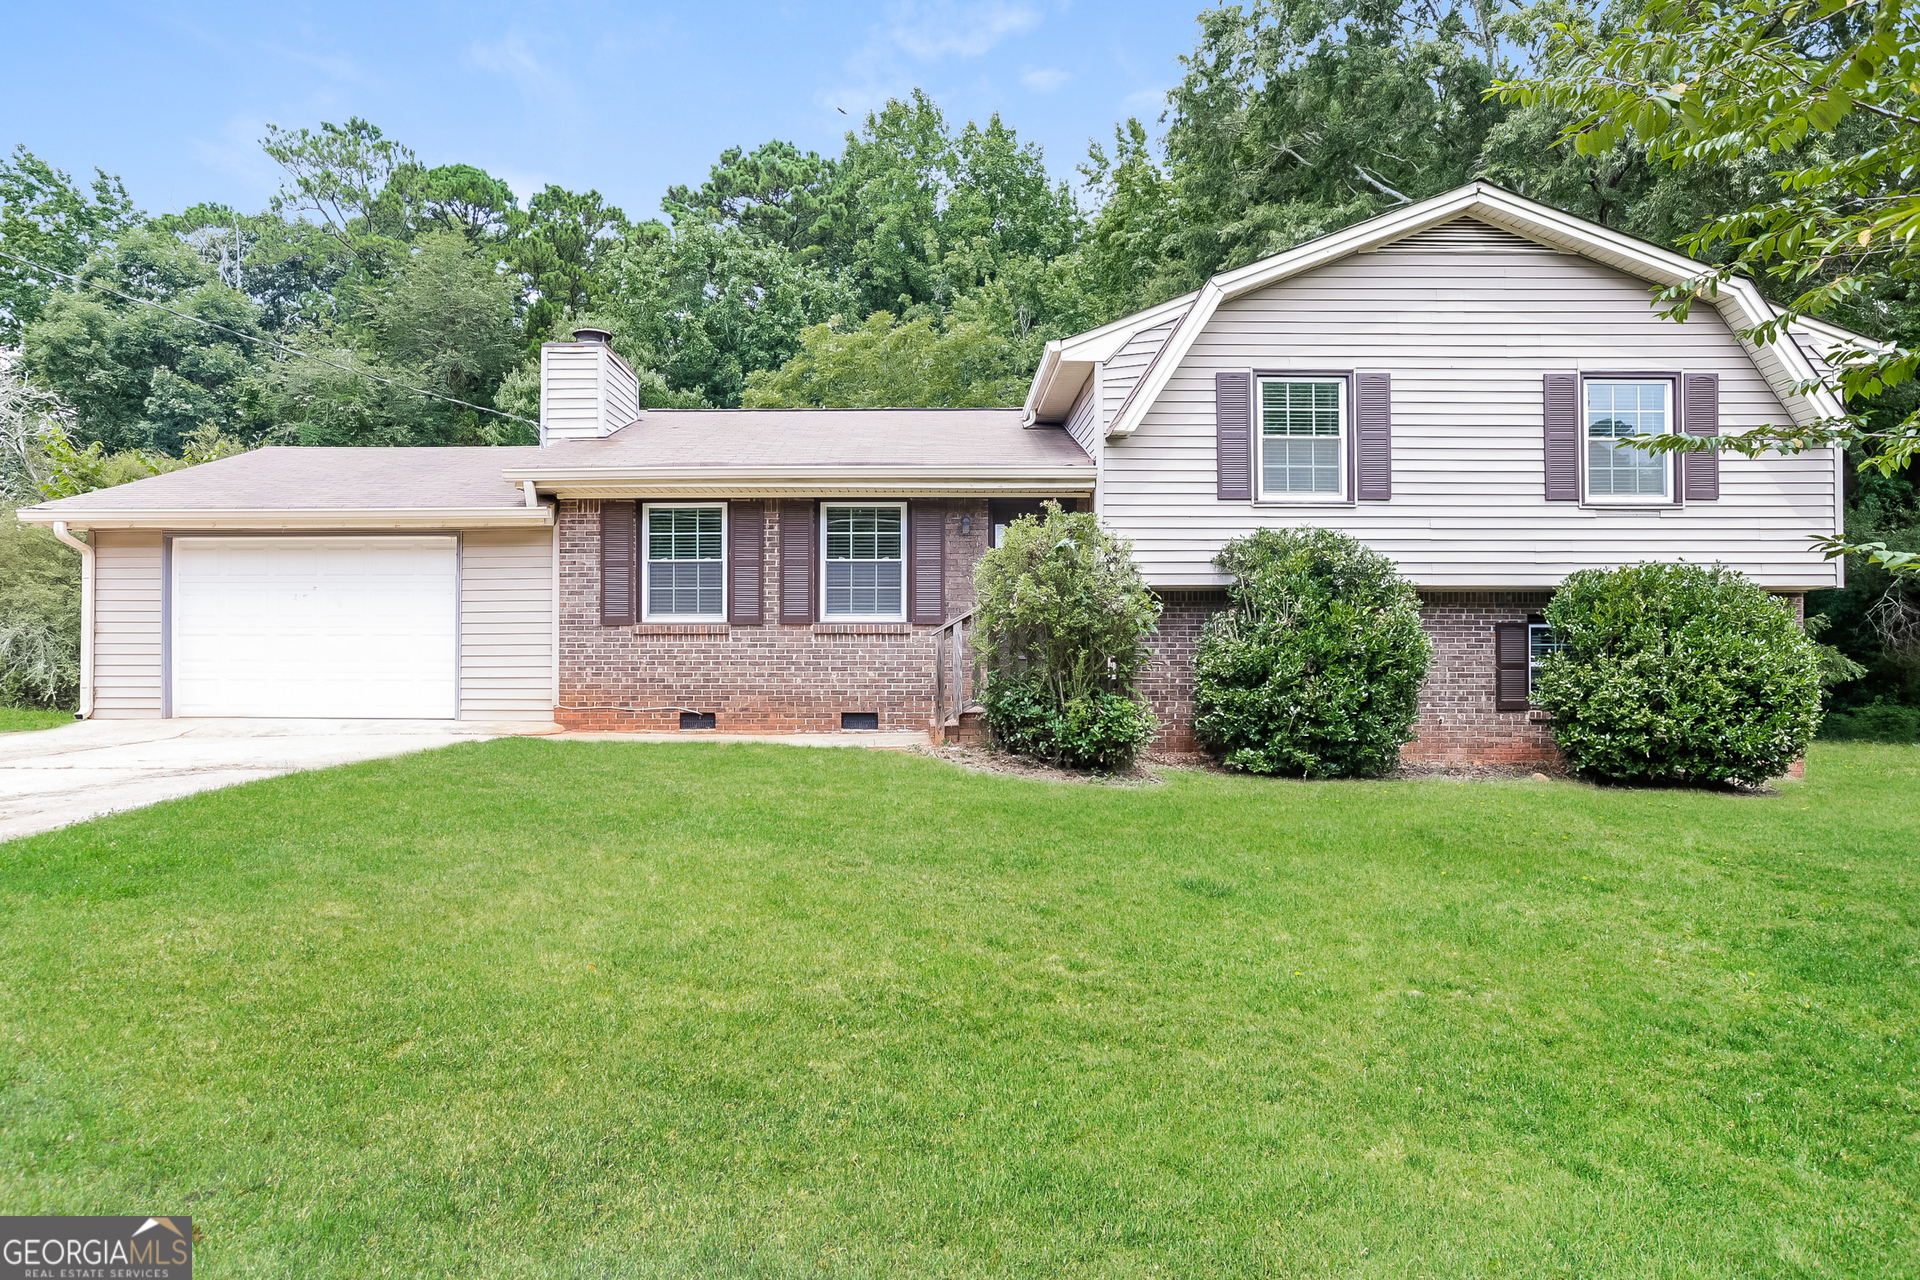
324,627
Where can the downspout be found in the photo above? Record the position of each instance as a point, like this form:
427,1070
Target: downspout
86,617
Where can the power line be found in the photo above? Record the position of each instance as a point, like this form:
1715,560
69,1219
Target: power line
268,342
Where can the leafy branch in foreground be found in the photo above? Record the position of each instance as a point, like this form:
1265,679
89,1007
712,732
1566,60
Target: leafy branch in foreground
1833,88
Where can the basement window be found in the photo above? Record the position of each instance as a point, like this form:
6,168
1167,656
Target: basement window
696,720
859,719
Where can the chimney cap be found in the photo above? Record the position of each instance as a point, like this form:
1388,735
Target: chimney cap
592,335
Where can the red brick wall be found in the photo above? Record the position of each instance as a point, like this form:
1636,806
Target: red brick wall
765,679
1457,724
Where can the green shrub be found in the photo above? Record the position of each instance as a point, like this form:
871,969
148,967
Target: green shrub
1100,730
1315,670
1677,673
1062,618
39,617
1879,721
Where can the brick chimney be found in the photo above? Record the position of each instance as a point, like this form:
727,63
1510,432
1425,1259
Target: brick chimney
586,391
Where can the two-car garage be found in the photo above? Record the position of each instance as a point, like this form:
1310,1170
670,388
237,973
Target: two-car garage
314,626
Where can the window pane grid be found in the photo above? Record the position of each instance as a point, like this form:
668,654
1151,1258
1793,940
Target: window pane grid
865,562
1300,428
685,562
1615,411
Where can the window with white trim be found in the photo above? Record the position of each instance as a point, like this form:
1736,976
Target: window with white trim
1303,439
685,563
1540,646
864,562
1617,408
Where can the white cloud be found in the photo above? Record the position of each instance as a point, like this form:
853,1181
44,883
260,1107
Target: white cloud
930,30
513,56
1045,79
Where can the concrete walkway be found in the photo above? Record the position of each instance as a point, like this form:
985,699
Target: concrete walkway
54,777
58,776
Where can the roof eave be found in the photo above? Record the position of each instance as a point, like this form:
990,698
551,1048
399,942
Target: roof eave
312,518
1071,479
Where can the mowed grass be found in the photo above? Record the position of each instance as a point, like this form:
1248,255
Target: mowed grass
20,719
527,1008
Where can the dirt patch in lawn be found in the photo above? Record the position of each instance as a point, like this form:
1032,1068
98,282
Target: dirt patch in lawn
987,760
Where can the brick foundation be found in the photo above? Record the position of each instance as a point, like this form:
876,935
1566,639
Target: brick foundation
1457,724
754,679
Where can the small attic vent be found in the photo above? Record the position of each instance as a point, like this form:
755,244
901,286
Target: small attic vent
1463,235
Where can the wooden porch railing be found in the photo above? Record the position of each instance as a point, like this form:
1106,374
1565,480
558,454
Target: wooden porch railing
955,674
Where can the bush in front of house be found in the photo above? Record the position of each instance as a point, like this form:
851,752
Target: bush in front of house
1315,669
1678,673
1062,617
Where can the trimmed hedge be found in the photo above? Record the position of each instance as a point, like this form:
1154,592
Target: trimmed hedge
1316,669
1678,673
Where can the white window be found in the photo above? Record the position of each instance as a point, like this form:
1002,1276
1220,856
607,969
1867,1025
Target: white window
1540,644
1303,439
1616,409
864,556
686,565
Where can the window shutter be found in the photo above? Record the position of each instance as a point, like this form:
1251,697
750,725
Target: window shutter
1233,436
1700,416
797,524
1510,676
927,586
1562,404
1375,437
746,539
619,548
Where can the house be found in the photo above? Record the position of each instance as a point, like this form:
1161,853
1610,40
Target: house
1444,382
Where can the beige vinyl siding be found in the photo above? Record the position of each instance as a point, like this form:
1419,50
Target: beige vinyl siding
1083,420
1117,378
586,391
127,635
506,625
1467,329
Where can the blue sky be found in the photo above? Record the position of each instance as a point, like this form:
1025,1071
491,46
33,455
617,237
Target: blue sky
625,98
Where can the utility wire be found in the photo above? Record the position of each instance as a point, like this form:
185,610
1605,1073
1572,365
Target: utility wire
268,342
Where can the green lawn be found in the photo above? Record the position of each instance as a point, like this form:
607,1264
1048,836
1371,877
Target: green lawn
15,719
526,1008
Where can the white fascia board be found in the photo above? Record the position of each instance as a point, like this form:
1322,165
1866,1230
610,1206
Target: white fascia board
1738,300
392,518
810,482
1067,363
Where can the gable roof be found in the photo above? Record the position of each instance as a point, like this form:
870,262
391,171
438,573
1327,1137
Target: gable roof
1784,365
814,453
742,453
290,487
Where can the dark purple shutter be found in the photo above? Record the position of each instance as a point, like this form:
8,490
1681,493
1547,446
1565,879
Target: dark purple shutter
619,548
1510,674
1233,436
746,552
927,544
1701,417
797,521
1562,437
1376,436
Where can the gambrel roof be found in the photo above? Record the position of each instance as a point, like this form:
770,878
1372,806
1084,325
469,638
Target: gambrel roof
1067,363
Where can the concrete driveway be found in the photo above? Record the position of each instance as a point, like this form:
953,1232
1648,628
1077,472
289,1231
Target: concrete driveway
54,777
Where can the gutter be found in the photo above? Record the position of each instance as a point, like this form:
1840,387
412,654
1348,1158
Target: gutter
86,617
808,481
327,519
